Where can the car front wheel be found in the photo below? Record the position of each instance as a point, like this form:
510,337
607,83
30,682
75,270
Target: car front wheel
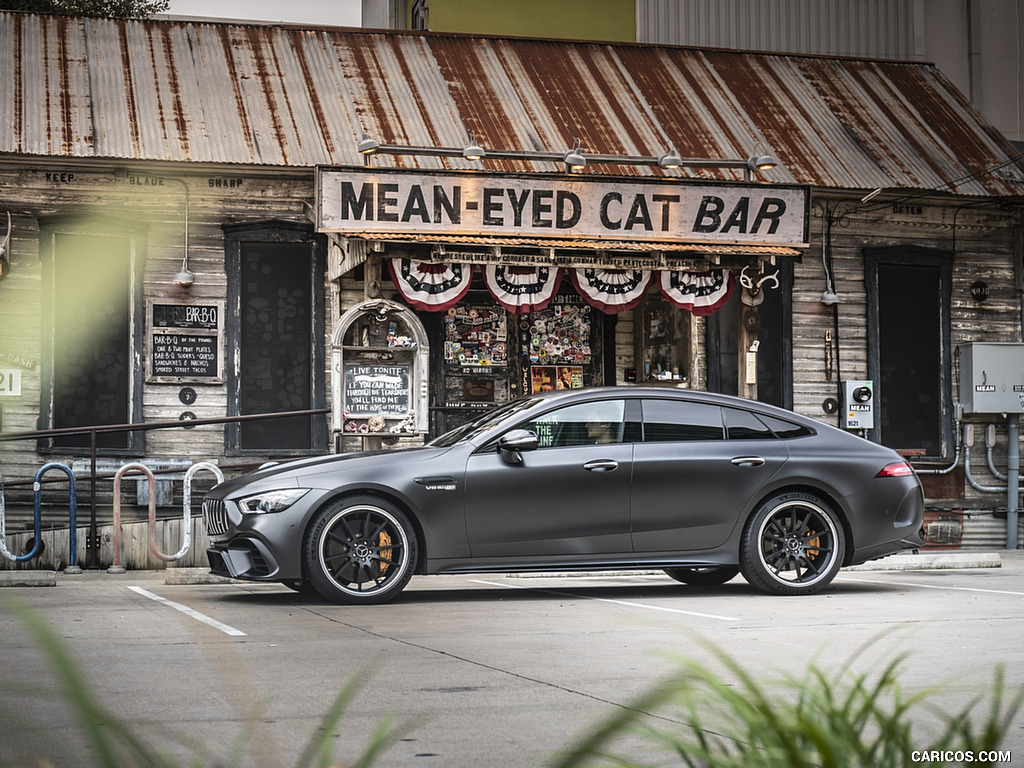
793,545
360,550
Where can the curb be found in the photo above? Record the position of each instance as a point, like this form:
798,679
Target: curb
28,578
931,561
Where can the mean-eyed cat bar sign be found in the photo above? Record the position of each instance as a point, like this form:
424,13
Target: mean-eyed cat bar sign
374,200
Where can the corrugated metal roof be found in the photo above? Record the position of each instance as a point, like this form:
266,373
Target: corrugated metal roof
285,96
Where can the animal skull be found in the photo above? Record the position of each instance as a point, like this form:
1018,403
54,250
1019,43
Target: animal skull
752,294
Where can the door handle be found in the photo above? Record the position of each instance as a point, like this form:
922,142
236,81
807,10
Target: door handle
601,465
748,461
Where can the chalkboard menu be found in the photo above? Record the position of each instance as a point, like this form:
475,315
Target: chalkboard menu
185,342
377,389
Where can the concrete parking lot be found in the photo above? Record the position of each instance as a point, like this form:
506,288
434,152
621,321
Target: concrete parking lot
488,670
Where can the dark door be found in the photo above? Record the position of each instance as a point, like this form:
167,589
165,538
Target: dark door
570,497
909,300
691,483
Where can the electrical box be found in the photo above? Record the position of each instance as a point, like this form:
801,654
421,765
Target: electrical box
992,377
860,405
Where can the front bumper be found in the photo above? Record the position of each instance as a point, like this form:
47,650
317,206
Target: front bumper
241,558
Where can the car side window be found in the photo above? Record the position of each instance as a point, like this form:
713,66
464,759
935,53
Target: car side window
681,421
594,423
787,429
743,425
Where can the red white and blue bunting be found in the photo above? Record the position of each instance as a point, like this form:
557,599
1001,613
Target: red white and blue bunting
702,293
611,290
429,286
521,290
435,287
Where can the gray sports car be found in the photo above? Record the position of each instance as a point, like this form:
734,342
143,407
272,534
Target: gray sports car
703,486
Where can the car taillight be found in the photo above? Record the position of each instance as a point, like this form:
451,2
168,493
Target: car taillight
897,469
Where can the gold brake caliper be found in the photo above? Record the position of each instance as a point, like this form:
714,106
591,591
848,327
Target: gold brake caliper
384,540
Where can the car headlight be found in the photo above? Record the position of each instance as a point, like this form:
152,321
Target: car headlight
271,501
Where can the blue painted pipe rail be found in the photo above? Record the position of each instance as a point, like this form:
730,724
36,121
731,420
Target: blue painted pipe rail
38,516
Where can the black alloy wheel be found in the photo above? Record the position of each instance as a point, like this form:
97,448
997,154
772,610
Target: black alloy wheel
360,550
704,576
793,545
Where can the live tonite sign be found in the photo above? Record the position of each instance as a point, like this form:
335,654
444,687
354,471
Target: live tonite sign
354,201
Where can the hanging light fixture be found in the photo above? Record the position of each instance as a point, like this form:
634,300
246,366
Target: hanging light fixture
473,151
670,159
368,146
574,159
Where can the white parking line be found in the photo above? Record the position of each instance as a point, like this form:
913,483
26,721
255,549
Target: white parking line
934,586
626,603
189,612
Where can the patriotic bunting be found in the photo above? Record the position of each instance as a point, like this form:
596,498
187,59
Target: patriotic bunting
522,289
429,286
702,293
611,290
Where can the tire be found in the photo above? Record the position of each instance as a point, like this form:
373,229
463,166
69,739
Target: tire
360,551
705,576
793,545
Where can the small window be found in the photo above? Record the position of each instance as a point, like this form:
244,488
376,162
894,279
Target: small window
743,425
596,423
681,421
787,429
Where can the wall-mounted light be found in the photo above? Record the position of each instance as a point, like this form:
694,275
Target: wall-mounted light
184,277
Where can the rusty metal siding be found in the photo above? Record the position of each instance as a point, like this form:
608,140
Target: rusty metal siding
291,97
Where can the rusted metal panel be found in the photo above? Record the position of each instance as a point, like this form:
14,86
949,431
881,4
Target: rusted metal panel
292,97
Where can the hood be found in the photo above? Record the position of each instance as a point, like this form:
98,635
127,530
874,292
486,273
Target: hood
290,472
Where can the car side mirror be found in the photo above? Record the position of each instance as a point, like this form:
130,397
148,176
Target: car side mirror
513,443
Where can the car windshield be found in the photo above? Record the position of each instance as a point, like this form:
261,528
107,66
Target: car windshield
481,425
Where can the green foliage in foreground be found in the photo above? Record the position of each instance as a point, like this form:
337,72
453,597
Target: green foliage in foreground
703,721
694,718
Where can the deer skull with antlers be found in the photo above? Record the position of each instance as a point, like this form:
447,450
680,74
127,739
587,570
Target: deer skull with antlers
752,294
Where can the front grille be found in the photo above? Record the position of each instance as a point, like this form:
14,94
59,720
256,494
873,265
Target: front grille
215,517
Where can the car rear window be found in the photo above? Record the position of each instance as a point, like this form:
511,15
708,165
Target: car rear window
744,425
786,429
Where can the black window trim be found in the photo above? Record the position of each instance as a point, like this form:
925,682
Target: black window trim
97,225
275,231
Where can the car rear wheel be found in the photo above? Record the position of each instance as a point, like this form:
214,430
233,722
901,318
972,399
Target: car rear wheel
793,545
360,550
704,576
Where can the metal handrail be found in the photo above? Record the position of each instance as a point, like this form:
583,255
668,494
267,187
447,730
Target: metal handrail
92,544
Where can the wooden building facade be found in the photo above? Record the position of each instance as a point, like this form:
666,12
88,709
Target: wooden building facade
183,247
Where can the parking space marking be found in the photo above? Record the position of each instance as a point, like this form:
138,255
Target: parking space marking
189,612
934,586
627,603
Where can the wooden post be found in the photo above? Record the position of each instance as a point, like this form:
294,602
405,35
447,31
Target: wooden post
372,272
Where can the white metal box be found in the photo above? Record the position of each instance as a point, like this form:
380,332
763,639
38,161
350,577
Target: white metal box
860,405
992,377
